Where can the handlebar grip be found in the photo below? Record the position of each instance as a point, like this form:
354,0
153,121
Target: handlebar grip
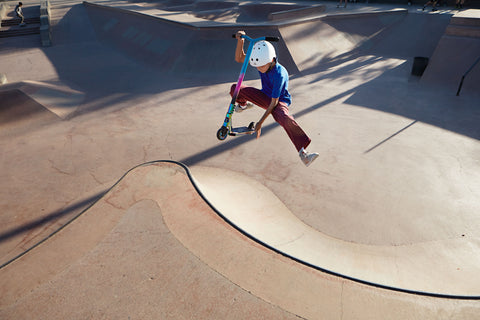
272,39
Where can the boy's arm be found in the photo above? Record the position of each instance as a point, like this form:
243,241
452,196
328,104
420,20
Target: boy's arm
258,126
239,53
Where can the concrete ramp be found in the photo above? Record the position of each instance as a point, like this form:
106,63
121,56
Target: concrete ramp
172,279
17,109
27,105
456,53
60,100
188,42
165,193
320,41
155,234
337,38
180,44
427,268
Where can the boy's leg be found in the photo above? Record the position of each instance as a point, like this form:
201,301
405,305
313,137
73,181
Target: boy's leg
280,114
251,94
294,131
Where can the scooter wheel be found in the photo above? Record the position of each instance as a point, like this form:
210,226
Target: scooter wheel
222,133
251,126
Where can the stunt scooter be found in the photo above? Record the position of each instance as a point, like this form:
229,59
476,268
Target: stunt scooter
227,127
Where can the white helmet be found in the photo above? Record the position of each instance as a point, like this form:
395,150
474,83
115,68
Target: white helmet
263,52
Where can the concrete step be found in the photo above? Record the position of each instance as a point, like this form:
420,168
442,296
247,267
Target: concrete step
467,18
16,22
463,31
465,24
16,31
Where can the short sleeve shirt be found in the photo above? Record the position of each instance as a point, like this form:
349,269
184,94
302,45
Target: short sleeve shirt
275,83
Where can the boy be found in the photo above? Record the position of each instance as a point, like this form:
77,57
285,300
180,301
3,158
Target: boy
273,97
19,13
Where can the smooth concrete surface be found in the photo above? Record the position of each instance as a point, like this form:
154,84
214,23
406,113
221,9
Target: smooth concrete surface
159,251
388,209
424,267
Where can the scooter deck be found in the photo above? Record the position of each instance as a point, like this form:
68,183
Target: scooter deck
241,130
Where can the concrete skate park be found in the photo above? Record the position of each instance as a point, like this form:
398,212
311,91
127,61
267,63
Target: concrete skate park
119,202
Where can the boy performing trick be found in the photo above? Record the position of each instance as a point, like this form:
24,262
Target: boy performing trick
273,97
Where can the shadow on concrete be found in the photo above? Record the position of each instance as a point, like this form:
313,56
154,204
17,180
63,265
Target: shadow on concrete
19,113
424,104
71,212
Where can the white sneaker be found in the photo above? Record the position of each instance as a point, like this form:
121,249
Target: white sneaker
307,157
239,108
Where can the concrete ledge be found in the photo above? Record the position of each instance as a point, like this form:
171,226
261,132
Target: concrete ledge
45,7
469,17
296,13
365,14
44,19
193,22
46,36
3,9
45,30
463,31
465,24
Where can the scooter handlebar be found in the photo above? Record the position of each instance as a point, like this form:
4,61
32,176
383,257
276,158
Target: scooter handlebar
270,39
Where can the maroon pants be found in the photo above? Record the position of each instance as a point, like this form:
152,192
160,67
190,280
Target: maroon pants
280,114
